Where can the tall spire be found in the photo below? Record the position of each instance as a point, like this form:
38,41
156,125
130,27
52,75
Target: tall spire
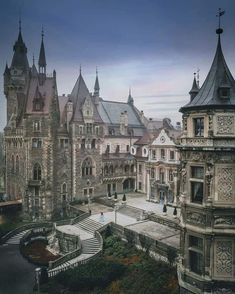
19,59
42,57
130,99
195,89
97,86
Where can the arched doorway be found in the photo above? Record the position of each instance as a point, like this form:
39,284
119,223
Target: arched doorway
128,185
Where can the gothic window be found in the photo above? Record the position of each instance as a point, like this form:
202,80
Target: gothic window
37,172
37,126
198,126
17,164
127,148
152,173
64,191
132,168
64,143
111,169
126,168
89,128
107,149
106,170
36,143
195,254
97,130
170,175
83,145
87,167
12,163
38,101
172,155
153,154
140,169
162,153
118,149
93,143
162,176
197,183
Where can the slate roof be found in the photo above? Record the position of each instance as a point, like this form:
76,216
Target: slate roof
110,113
219,75
78,96
20,59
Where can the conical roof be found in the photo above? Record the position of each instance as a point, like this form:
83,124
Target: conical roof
195,88
208,95
42,55
97,86
20,59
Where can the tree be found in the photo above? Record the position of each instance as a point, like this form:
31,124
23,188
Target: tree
164,209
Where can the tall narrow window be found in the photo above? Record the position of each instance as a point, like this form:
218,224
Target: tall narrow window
153,154
162,153
162,176
172,155
17,164
87,167
12,163
197,184
199,127
64,192
195,254
93,143
37,173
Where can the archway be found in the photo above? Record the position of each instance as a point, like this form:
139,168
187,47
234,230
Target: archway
128,185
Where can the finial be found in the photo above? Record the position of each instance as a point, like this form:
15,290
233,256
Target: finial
42,33
198,70
33,59
80,70
96,71
20,21
220,13
129,91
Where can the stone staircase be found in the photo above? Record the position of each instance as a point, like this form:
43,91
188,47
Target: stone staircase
91,247
15,240
89,225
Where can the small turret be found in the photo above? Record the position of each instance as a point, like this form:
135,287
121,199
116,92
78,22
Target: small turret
6,79
195,89
42,62
97,86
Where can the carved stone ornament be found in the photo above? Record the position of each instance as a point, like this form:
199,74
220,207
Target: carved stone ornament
224,258
224,220
225,124
196,218
225,184
223,291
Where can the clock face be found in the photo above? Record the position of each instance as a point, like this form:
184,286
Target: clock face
162,139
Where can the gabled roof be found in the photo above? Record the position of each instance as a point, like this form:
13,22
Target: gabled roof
219,74
78,96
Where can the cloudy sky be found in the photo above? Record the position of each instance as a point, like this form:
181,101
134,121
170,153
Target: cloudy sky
152,46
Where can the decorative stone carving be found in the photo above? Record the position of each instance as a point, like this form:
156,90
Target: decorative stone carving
225,184
224,258
196,218
224,220
224,143
225,124
223,291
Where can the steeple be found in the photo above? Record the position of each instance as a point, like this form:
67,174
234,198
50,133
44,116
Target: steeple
130,99
19,59
219,86
42,57
97,86
195,89
34,71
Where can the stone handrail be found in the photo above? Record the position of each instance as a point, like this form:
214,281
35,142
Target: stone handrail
52,273
79,218
64,258
63,222
164,221
24,228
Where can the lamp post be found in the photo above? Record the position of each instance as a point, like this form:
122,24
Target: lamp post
88,196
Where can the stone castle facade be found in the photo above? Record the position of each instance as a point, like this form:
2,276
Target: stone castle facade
207,151
64,148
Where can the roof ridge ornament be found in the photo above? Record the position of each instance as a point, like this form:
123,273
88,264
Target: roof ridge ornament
220,13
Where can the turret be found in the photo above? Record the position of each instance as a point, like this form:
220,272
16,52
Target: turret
195,89
42,62
6,79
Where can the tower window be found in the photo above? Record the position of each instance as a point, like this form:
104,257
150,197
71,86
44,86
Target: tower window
196,254
37,143
197,184
199,127
87,167
37,173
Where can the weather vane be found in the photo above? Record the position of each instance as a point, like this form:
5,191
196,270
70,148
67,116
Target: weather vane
219,14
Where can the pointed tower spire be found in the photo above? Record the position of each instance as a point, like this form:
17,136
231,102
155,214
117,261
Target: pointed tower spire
195,89
19,59
97,86
130,99
42,57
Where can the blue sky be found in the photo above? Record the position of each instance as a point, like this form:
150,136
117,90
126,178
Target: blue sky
152,46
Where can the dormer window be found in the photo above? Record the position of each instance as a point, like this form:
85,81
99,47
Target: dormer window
224,93
38,101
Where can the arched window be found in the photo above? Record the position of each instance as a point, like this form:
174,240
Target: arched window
111,169
64,191
93,143
87,167
126,168
106,170
13,163
17,164
132,168
37,172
